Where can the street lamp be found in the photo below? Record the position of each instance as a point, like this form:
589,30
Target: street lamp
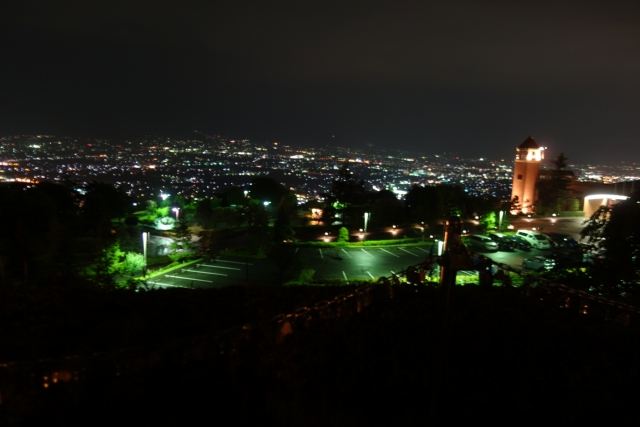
367,215
145,241
500,215
177,211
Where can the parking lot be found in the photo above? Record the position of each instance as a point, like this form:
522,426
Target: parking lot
347,264
217,273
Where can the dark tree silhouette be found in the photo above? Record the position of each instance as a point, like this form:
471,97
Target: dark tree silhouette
267,189
616,229
347,198
553,193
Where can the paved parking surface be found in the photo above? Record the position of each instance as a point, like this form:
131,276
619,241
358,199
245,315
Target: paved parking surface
218,273
328,263
361,263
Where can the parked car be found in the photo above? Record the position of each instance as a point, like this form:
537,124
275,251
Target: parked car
537,240
520,243
538,263
483,243
562,241
594,257
504,242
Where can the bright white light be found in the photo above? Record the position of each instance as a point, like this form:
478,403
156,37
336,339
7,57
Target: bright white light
606,196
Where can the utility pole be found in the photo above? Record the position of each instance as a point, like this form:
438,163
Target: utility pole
454,257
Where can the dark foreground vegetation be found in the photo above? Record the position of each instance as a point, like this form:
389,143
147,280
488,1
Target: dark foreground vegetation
376,355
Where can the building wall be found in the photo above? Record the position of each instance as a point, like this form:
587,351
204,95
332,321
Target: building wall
525,176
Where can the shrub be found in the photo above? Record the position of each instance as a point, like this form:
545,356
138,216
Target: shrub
344,235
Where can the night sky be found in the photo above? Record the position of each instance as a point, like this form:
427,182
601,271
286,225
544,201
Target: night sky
471,77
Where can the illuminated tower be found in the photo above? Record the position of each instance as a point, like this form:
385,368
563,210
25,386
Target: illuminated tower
525,174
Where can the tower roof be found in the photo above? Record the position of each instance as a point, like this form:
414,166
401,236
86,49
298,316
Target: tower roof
529,143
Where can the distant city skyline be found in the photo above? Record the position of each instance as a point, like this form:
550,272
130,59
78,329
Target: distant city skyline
198,166
474,78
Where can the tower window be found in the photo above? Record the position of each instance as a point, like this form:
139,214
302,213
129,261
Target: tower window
519,176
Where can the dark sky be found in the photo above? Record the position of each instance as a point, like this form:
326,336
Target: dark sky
472,77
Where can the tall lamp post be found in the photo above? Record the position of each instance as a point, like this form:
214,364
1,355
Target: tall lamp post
367,215
145,242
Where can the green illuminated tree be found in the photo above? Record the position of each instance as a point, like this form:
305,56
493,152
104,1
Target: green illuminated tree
488,221
133,263
343,235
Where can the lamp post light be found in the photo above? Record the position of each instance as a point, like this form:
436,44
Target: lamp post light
145,242
367,215
177,211
500,215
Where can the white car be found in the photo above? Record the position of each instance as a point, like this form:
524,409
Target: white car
538,263
537,240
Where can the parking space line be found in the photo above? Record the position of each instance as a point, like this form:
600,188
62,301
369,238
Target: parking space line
392,272
370,275
233,262
466,272
320,250
189,278
219,266
347,253
397,256
367,253
345,277
206,272
171,286
423,250
403,249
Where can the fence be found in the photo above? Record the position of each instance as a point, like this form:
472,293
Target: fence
24,384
